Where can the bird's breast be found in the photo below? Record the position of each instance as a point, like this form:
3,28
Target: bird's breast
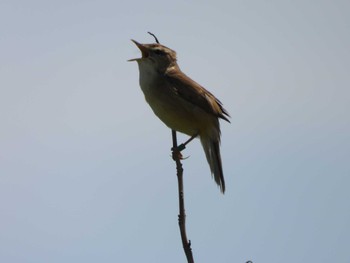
177,113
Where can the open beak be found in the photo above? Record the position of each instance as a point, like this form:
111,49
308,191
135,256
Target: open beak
143,50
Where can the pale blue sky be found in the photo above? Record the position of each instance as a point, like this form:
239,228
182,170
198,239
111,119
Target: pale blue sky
85,167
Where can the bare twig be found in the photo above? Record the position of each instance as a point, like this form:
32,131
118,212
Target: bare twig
155,38
182,216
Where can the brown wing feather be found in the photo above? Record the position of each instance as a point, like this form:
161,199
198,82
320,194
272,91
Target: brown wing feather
194,93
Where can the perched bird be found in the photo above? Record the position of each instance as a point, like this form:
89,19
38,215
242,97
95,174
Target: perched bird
181,103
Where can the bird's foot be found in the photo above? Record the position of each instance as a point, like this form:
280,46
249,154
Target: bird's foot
176,153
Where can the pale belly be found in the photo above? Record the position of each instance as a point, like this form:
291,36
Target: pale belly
178,114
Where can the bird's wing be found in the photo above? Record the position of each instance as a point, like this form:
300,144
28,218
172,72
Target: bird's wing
194,93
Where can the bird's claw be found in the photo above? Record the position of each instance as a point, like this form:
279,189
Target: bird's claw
176,154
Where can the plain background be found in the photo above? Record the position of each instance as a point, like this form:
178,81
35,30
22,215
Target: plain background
85,167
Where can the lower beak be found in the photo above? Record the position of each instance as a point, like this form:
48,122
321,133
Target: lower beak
143,49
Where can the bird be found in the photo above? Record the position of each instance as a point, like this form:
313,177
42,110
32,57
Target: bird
181,103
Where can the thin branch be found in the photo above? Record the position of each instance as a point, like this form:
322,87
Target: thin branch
156,39
182,216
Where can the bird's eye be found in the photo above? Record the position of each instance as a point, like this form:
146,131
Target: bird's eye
159,52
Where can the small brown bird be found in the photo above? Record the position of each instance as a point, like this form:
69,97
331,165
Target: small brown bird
181,103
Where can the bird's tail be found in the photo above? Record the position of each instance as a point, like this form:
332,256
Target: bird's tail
211,146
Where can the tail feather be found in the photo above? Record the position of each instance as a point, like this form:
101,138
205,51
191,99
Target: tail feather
212,152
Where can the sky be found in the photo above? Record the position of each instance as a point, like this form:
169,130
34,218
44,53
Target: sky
85,167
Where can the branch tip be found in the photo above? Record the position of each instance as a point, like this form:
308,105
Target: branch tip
154,37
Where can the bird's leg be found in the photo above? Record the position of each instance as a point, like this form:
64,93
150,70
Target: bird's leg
183,145
177,150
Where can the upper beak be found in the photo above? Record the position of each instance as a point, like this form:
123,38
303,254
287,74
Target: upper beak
143,50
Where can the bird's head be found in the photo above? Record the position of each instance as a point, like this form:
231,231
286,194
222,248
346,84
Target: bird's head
155,55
